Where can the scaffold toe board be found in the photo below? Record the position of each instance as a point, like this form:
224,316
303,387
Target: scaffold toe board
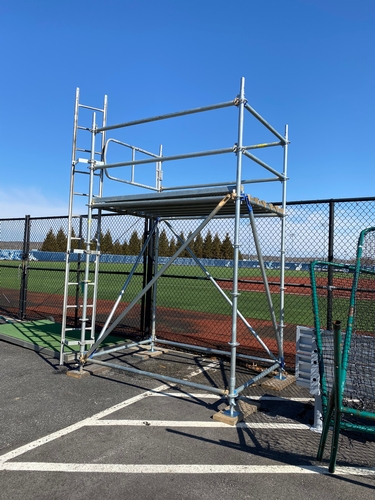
197,202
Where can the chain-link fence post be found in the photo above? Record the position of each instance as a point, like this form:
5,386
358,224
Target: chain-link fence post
24,267
331,232
146,331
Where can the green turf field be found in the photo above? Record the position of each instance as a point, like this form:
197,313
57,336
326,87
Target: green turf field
43,335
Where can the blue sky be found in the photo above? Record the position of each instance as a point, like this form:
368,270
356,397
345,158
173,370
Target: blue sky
307,63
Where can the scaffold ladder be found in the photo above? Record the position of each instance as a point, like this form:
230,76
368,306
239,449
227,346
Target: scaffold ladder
83,250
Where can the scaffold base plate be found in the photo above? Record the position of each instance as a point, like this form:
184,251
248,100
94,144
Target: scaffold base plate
147,353
222,416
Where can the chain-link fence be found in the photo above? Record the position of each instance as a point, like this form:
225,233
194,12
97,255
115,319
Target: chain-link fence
190,309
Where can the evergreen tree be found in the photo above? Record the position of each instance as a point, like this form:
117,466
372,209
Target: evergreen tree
117,248
179,243
207,246
106,243
172,247
61,241
74,243
125,248
198,246
216,247
227,248
49,243
98,238
134,244
191,246
163,244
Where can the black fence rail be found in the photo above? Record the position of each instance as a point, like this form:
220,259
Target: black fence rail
189,309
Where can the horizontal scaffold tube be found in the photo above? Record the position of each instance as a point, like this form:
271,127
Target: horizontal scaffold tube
208,350
198,154
168,115
164,378
243,181
120,348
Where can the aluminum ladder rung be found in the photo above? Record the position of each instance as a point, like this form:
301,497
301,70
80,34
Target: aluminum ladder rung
78,342
91,107
80,194
88,151
71,329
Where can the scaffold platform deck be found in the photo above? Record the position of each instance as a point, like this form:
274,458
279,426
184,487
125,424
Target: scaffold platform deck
184,203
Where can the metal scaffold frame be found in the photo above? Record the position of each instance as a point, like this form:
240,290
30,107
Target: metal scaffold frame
163,204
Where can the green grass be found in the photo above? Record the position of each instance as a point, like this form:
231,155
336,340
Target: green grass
203,297
222,272
47,277
185,294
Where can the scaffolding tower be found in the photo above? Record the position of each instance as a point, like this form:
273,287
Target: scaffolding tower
160,205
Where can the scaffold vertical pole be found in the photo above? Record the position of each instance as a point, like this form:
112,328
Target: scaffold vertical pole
97,254
282,244
233,343
154,289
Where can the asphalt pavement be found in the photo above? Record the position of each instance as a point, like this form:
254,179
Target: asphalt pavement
115,434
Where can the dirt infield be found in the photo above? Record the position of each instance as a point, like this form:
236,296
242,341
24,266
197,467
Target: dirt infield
300,285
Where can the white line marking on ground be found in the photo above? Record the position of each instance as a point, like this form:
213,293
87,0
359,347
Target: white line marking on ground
277,398
191,423
91,420
183,469
160,469
74,427
198,395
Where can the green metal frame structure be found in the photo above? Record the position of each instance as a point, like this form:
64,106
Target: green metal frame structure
334,404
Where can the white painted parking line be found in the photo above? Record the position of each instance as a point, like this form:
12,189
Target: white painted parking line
183,469
189,423
74,427
91,420
277,398
99,420
198,395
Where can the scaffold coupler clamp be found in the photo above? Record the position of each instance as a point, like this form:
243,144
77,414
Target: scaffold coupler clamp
83,359
237,101
245,198
234,344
